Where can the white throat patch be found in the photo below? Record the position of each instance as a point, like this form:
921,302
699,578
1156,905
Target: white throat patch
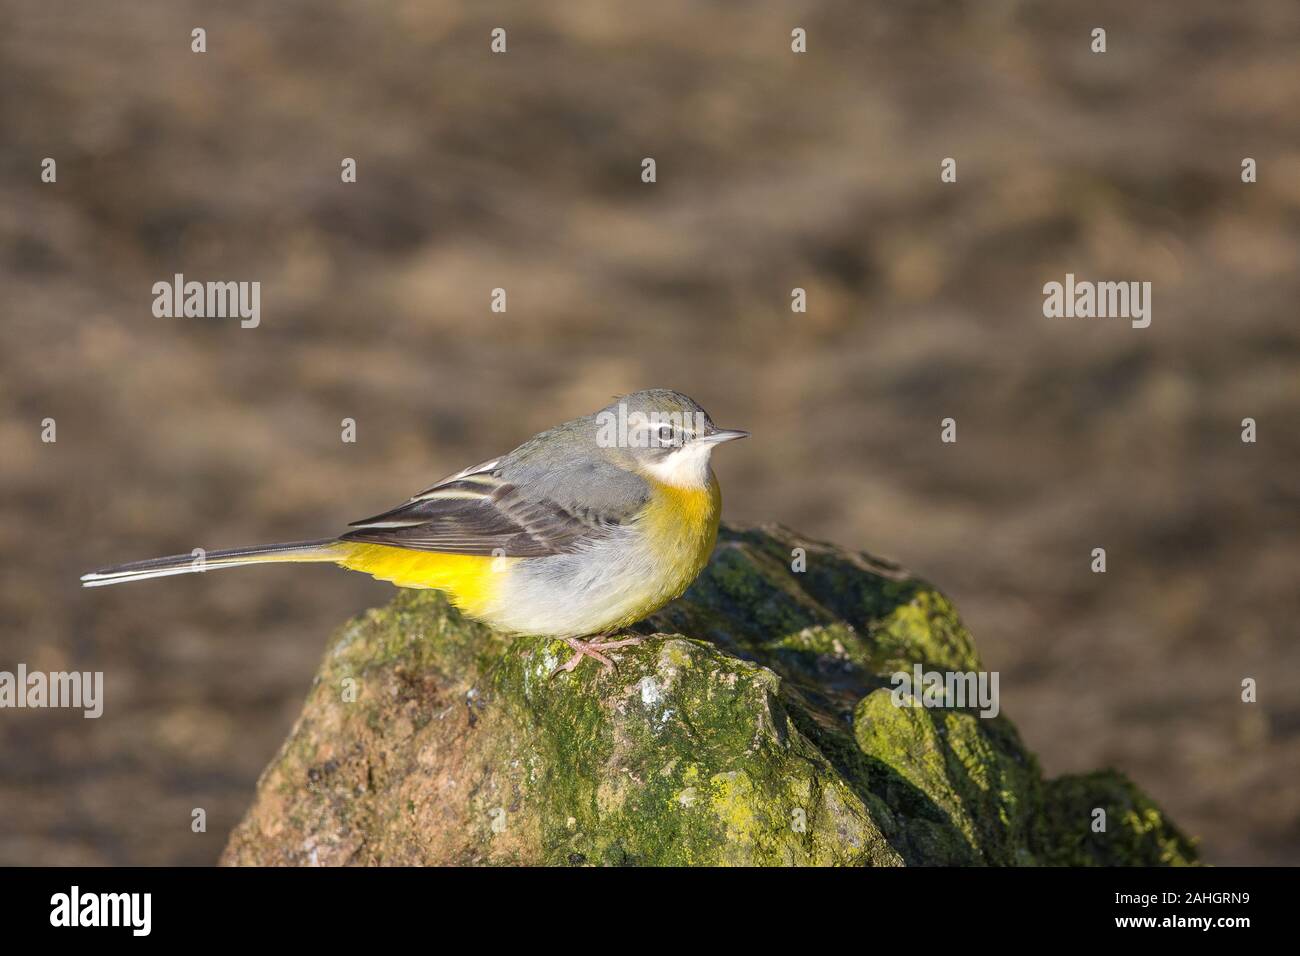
685,467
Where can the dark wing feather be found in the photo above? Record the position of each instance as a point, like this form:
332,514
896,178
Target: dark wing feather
484,515
552,495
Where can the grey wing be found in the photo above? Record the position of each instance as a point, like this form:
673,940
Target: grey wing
487,510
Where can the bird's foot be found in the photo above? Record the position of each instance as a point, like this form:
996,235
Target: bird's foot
593,649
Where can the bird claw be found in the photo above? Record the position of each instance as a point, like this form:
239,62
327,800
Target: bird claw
593,650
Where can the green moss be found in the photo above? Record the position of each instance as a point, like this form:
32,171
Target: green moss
967,778
766,737
1136,832
685,756
924,630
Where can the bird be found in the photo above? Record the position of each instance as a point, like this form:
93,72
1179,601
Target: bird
583,530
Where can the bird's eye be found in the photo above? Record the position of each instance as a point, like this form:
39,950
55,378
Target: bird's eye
666,435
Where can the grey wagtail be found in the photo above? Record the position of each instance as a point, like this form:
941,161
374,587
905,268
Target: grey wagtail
578,533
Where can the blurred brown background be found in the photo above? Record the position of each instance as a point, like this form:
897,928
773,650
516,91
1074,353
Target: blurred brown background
775,171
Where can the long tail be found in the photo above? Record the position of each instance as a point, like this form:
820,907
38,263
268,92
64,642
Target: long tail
323,549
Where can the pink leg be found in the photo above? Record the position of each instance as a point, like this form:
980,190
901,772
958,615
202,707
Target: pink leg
593,649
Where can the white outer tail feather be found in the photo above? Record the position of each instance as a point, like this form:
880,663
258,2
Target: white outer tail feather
294,551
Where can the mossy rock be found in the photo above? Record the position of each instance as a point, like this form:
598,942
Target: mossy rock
755,724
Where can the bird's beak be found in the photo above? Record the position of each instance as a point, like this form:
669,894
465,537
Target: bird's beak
723,434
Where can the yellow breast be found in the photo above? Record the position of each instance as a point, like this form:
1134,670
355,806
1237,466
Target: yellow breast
681,525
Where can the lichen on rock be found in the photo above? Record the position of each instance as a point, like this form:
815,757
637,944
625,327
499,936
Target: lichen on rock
754,725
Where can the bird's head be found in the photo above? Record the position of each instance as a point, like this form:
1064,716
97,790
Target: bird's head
664,435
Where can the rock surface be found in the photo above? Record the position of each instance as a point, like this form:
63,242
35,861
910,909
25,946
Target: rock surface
754,725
